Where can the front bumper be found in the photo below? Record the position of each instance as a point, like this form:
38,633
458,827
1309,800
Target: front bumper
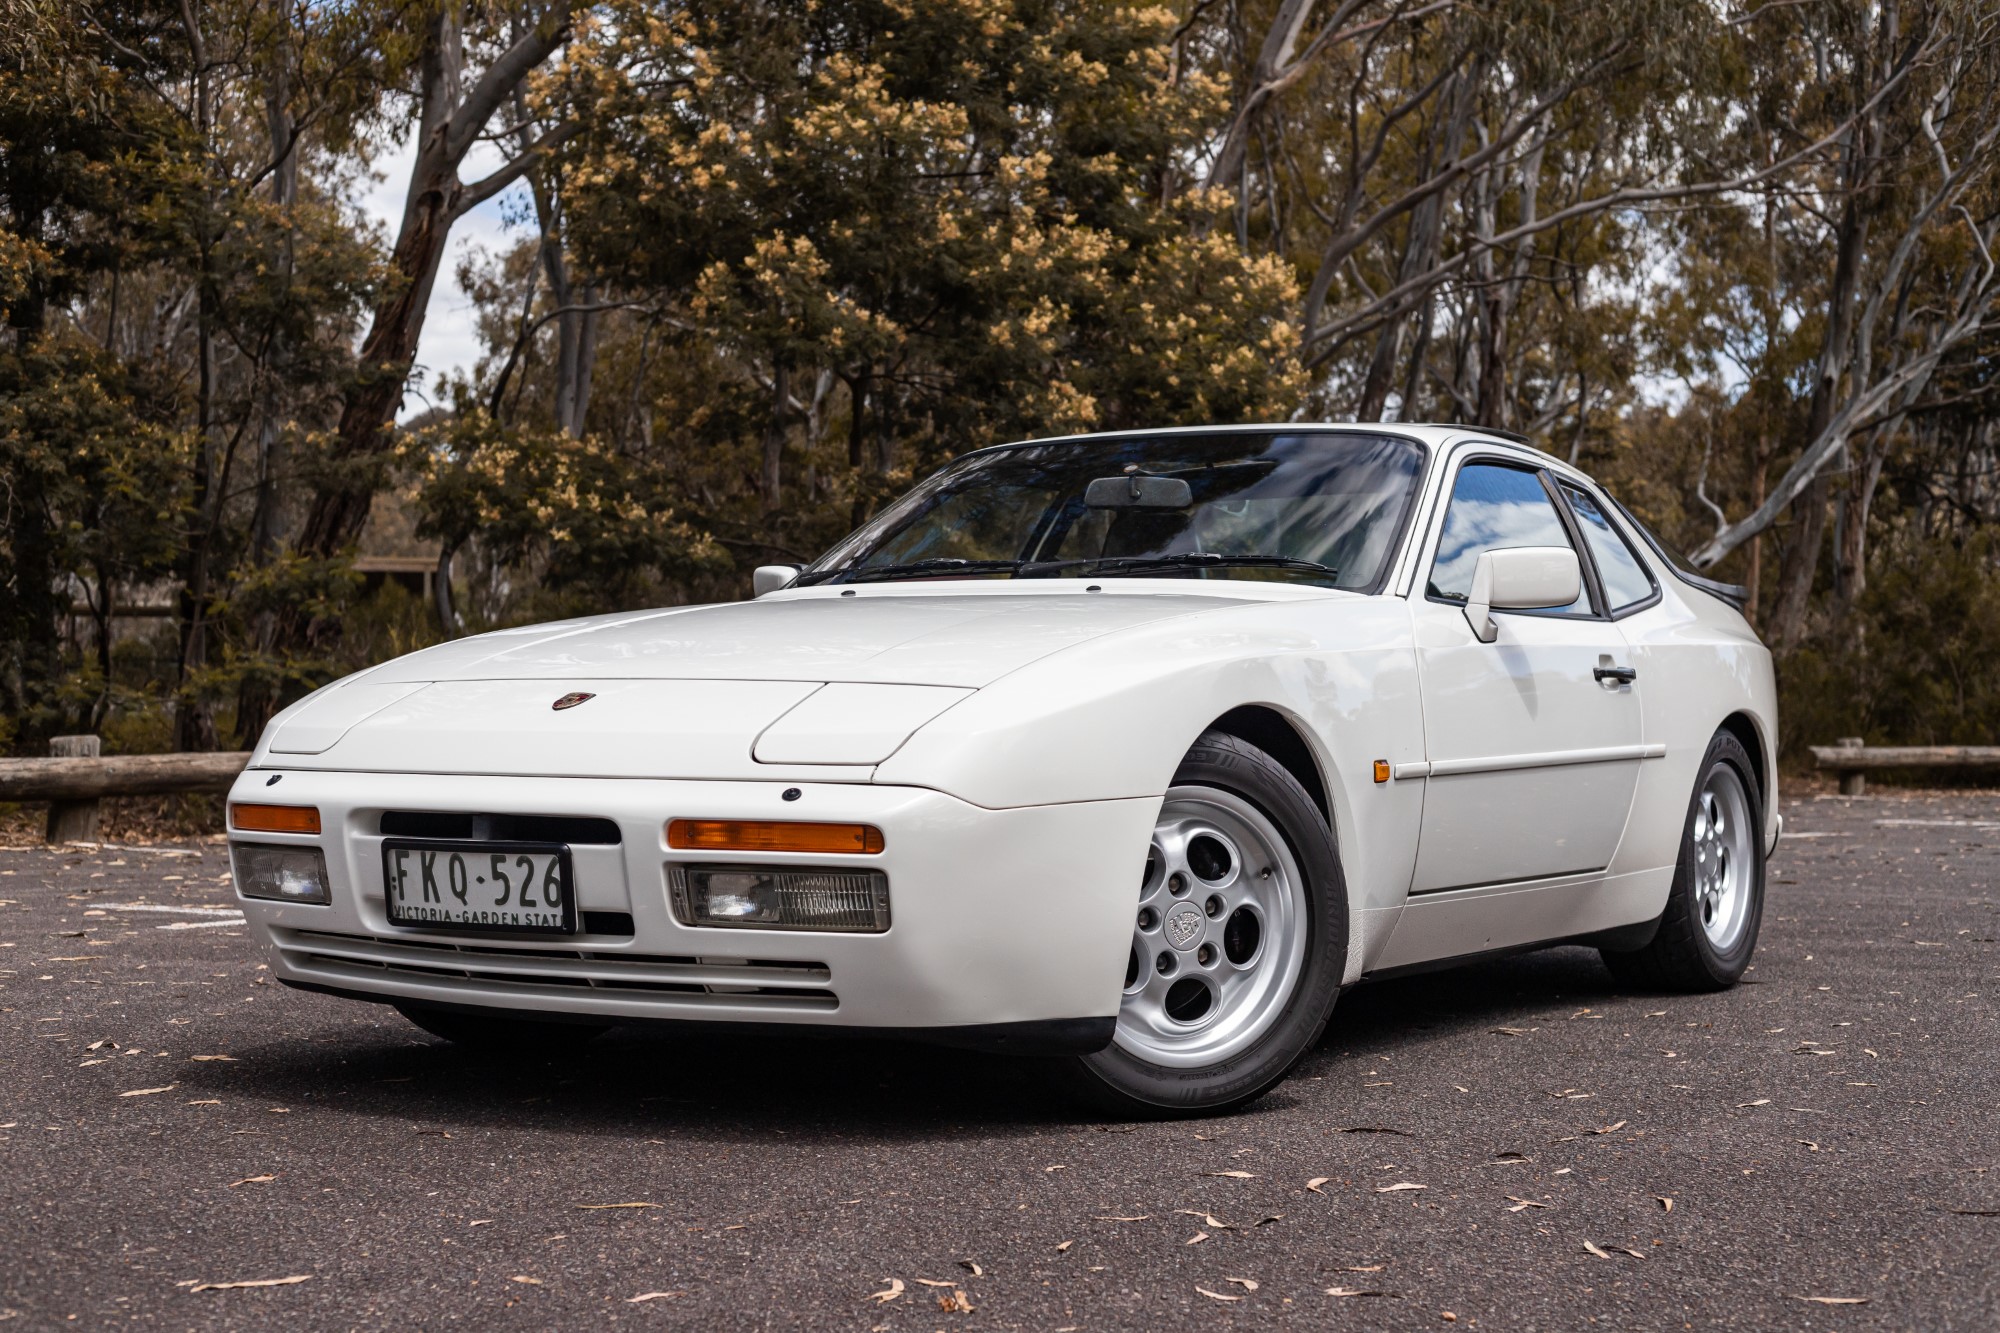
1007,926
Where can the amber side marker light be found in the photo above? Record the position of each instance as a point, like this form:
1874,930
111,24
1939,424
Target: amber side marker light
771,835
274,818
1381,770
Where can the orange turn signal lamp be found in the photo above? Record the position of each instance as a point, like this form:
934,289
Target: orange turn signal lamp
1381,770
274,818
772,835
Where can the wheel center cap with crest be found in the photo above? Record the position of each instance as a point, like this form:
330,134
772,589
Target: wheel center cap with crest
571,700
1184,922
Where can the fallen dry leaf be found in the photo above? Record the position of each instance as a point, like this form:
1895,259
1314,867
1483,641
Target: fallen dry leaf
1247,1283
1210,1218
1233,1175
593,1207
1057,1167
481,1222
1143,1217
207,1101
1370,1268
954,1302
1216,1295
1761,1101
1062,1248
1399,1185
653,1296
1353,1291
1597,1249
1196,1239
1834,1300
1315,1183
1609,1129
252,1180
972,1268
1666,1204
525,1280
230,1058
1521,1204
935,1282
1516,1032
147,1092
252,1282
888,1293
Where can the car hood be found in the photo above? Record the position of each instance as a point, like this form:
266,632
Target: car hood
874,636
814,683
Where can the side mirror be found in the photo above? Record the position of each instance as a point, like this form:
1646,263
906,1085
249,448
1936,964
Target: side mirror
1520,578
770,578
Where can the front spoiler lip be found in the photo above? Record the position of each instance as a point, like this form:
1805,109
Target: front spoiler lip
1041,1036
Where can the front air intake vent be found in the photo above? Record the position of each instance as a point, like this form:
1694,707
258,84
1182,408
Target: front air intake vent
576,830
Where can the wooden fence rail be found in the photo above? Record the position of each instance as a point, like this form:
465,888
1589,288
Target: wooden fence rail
74,783
1853,760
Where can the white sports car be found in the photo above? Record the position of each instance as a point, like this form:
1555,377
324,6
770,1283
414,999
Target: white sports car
1133,749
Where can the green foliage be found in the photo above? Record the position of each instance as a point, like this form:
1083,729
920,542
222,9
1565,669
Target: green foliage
1919,663
575,511
951,214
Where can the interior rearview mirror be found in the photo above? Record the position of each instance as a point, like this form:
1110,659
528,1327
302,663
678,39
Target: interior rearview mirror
770,578
1134,491
1520,578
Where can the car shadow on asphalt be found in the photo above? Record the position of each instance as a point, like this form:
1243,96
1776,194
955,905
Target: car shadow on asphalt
635,1081
1469,997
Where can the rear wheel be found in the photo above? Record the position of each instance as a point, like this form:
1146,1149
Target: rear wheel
1238,945
499,1030
1708,930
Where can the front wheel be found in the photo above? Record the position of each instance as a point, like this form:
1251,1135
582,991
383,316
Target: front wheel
1708,929
1239,941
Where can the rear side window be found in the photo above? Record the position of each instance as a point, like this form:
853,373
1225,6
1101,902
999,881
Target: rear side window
1625,579
1494,508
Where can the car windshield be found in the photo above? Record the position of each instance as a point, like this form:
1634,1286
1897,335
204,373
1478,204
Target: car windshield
1322,507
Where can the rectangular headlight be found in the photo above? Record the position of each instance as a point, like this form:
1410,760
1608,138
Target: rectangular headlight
780,898
282,874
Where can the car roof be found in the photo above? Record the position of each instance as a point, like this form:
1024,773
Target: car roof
1435,434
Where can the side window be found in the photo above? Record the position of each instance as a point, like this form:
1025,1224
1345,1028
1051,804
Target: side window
1624,575
1493,508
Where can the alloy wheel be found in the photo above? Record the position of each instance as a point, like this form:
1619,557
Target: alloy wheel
1219,932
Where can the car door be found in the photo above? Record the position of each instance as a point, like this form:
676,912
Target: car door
1533,741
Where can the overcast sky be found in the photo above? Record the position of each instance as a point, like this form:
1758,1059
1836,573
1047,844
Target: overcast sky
449,341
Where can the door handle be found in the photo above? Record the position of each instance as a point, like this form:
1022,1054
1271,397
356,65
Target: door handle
1624,675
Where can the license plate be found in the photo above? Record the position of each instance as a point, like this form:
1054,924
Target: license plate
510,886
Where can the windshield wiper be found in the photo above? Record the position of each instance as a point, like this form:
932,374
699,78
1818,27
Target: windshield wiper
1097,564
935,565
1135,564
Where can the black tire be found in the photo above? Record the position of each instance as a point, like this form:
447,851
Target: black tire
1122,1083
1681,956
499,1031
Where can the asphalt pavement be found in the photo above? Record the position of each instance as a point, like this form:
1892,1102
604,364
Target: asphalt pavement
1512,1145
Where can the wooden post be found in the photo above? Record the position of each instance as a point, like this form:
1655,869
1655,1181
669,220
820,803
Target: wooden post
1853,782
78,820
